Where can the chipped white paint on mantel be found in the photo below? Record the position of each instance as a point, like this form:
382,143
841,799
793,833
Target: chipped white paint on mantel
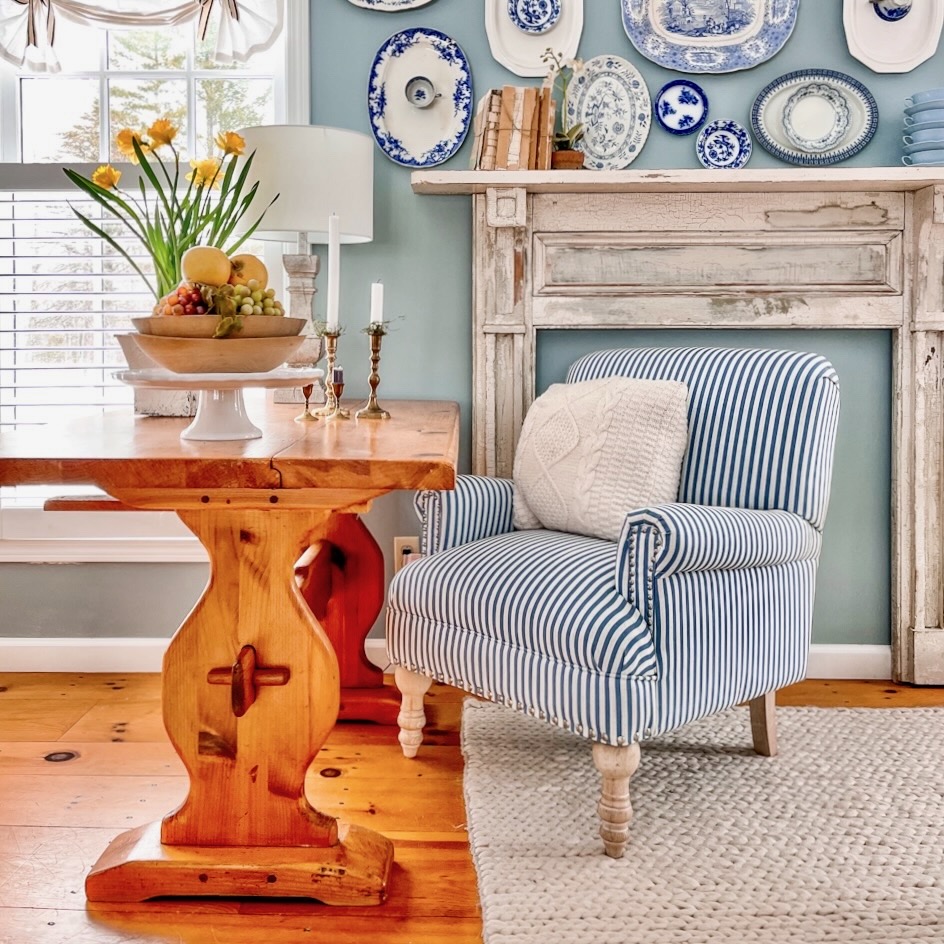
779,248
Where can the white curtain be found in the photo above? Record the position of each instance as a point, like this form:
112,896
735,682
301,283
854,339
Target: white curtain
28,27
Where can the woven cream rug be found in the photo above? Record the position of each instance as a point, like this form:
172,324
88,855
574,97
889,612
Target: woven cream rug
839,839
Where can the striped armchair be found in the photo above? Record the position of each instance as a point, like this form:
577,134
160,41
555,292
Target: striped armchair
701,604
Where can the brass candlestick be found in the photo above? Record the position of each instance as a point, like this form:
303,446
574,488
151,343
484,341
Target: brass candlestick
372,410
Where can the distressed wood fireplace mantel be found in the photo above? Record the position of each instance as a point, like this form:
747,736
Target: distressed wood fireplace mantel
779,248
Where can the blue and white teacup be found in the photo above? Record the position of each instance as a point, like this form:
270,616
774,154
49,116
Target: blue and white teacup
923,158
917,98
924,136
922,117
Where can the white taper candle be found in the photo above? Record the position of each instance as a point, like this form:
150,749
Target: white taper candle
334,273
376,303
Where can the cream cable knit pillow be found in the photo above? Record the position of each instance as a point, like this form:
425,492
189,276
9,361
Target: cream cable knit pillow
590,452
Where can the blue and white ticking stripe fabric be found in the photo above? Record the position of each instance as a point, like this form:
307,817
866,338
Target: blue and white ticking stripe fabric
700,605
761,424
478,507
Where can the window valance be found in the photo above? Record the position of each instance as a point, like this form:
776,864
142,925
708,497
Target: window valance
28,27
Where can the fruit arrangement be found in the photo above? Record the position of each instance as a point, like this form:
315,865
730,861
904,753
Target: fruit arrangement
216,284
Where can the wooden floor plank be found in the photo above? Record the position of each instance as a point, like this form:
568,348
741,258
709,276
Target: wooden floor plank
59,816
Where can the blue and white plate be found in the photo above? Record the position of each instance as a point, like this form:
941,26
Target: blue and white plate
420,131
709,35
519,33
724,145
681,107
609,97
814,117
390,6
534,16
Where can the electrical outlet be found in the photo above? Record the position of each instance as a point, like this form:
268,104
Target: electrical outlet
404,550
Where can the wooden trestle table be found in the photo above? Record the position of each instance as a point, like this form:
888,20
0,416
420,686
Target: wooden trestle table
250,680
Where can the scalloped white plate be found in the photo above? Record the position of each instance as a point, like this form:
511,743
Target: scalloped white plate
892,46
521,52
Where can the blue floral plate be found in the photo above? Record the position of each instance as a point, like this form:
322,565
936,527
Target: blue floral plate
723,144
709,35
534,16
419,97
681,107
610,99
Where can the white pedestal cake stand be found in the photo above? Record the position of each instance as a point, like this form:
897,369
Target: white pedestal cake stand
221,411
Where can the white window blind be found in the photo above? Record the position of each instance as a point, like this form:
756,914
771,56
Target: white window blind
64,293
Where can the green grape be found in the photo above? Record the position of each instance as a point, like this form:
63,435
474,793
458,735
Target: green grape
245,309
257,309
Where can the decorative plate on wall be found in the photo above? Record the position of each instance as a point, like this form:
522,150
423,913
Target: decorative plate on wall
390,6
419,97
814,117
534,16
892,36
550,23
723,145
709,35
610,98
681,106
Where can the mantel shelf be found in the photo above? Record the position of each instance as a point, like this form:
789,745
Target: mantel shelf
689,181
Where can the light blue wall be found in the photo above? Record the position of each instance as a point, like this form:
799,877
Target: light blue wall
422,251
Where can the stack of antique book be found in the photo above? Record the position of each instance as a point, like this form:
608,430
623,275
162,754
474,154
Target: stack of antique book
514,129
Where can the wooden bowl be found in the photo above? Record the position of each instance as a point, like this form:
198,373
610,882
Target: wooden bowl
219,355
203,326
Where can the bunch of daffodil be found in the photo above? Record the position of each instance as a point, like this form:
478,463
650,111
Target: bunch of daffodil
172,212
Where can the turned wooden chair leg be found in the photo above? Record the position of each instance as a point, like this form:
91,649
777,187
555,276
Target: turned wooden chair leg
616,766
411,719
764,724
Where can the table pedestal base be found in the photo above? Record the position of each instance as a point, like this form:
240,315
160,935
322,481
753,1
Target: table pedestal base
136,867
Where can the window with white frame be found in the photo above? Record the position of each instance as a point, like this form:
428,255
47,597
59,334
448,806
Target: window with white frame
65,292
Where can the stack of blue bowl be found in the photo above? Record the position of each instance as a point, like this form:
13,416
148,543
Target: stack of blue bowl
924,128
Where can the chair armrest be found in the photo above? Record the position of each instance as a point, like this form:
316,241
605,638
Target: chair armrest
679,538
478,507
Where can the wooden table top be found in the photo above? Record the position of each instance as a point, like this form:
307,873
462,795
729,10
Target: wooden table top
416,448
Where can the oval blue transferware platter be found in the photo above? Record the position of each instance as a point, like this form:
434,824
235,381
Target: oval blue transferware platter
610,98
412,130
681,107
709,35
814,117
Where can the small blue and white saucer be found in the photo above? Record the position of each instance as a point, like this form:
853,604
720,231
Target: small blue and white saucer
891,10
534,16
681,107
723,144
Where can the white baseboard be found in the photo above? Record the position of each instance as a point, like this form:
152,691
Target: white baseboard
19,654
849,662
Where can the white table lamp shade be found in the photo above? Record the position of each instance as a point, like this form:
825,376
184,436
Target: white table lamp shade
316,171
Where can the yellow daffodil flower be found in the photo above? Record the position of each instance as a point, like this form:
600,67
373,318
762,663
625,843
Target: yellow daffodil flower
106,177
229,142
166,219
161,132
205,171
124,142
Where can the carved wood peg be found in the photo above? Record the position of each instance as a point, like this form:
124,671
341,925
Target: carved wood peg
243,677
